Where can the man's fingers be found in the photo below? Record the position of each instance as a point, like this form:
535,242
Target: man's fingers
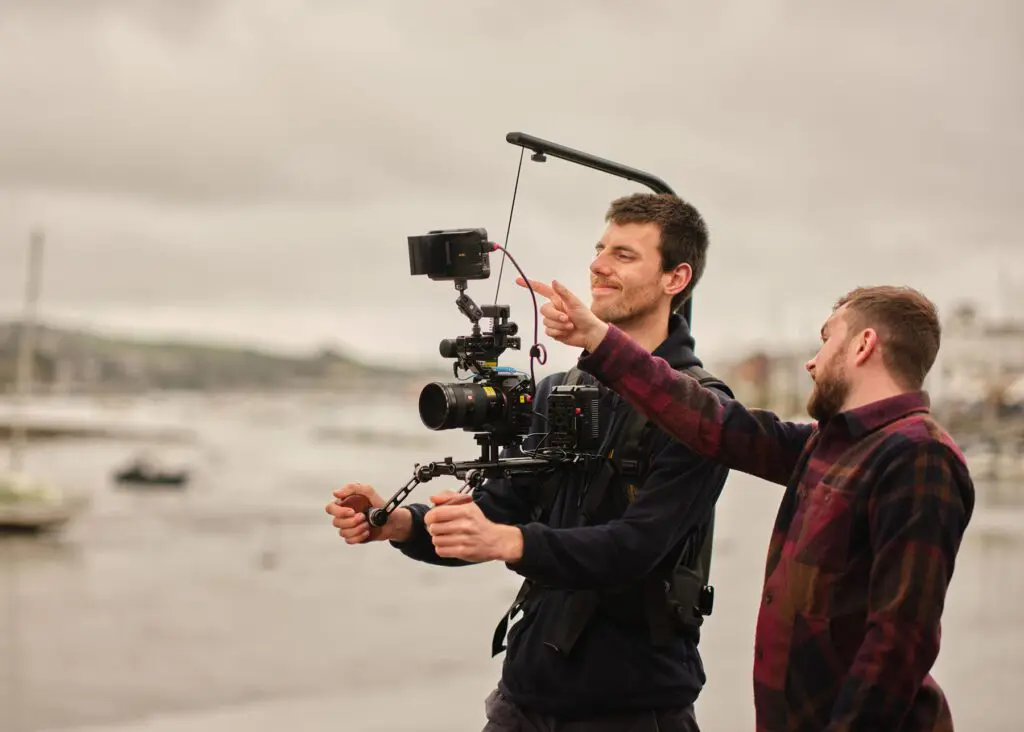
568,298
451,498
351,489
357,537
558,323
449,541
548,310
344,492
349,522
442,514
460,526
445,497
539,287
339,511
457,551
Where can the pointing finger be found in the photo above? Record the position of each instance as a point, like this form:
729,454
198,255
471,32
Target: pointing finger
539,287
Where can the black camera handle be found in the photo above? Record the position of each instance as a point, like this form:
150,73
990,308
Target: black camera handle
472,472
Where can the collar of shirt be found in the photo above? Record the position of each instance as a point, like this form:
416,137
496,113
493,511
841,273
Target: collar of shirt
870,417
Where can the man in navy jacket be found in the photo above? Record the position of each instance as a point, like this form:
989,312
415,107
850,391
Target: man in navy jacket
572,663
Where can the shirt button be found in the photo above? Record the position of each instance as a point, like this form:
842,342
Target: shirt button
768,598
758,653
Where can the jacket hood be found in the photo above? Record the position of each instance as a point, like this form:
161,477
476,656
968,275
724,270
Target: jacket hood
677,349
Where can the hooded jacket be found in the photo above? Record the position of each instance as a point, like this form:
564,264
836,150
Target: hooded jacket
614,667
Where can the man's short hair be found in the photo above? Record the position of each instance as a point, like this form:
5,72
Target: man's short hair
684,235
907,324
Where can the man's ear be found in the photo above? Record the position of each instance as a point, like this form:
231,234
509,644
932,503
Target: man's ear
677,279
866,344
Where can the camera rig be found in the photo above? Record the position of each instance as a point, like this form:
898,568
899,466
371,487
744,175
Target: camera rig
497,403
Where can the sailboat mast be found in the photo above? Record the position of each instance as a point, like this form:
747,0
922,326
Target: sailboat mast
26,348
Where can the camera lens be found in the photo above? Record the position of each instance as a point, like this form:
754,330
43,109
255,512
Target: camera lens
469,406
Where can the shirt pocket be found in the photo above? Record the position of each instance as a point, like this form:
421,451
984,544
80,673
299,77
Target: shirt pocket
821,553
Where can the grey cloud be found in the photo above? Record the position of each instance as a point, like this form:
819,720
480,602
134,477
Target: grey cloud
255,156
260,101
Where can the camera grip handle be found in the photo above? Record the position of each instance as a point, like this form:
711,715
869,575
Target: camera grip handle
361,504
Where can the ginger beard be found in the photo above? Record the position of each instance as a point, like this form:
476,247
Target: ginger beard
831,388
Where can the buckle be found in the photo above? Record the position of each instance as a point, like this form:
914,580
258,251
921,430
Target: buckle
706,600
630,467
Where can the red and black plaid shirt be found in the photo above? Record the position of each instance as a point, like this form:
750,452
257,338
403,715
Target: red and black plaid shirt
877,500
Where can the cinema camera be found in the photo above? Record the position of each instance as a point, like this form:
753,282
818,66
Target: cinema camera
497,402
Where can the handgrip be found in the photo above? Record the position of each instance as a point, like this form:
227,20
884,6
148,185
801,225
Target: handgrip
361,504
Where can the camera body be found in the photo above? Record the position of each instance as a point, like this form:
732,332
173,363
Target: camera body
497,401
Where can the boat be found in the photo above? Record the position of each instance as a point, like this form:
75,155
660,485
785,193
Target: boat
31,505
142,472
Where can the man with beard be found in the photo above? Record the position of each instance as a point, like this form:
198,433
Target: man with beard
877,500
601,644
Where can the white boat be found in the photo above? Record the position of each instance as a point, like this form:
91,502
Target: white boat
28,504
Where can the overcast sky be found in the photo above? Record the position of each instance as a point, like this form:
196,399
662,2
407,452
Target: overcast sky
251,168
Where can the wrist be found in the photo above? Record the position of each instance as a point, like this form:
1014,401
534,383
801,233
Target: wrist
510,544
596,336
399,525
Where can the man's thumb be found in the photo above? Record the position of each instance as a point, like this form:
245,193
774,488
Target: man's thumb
571,301
450,498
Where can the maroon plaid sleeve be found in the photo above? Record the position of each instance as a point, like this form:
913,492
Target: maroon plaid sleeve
750,440
918,511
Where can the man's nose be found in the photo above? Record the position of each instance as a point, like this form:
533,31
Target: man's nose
599,265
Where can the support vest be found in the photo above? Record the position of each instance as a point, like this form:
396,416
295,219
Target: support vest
677,596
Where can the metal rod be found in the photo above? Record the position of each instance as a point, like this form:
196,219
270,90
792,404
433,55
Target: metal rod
538,145
26,349
587,160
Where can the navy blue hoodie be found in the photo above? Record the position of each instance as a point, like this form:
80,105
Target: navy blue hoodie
614,666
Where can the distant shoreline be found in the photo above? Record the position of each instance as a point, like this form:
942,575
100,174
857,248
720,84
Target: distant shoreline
78,361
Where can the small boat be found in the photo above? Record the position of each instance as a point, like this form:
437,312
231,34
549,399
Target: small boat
29,505
144,473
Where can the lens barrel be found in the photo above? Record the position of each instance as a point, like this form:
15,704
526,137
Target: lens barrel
466,406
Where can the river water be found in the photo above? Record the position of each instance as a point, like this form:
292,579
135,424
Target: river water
234,605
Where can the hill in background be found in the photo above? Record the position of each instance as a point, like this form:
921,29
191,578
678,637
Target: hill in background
74,360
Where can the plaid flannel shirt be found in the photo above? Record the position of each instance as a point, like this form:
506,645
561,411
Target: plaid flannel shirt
877,500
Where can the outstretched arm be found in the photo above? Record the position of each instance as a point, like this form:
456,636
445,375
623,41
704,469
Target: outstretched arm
753,441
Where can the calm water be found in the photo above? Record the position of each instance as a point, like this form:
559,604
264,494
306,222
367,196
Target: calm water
235,606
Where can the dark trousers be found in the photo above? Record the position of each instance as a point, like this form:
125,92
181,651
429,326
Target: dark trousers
504,716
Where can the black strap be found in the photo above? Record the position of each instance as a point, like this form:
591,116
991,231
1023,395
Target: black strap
547,492
527,591
695,570
707,380
572,376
